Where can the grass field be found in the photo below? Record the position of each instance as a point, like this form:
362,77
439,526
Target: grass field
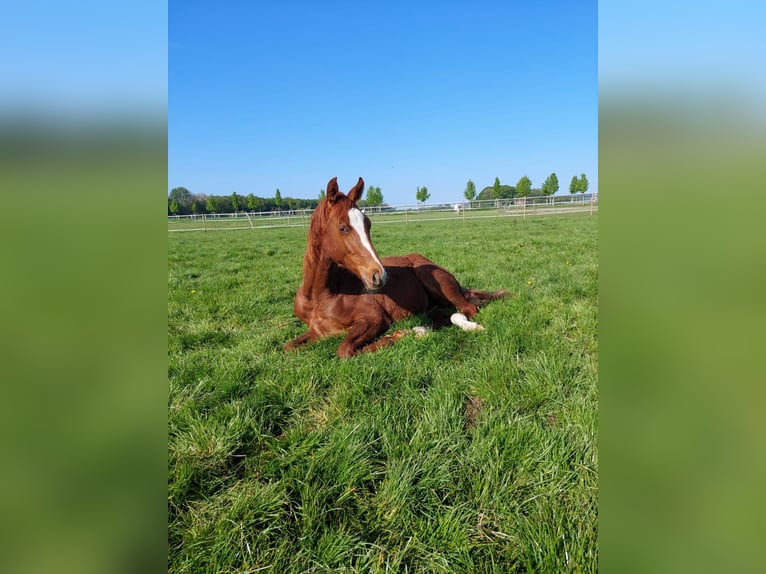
459,452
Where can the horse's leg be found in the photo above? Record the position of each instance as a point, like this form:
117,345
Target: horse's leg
439,320
442,286
307,337
386,340
359,336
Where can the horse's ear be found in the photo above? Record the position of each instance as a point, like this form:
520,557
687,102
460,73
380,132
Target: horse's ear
332,190
355,193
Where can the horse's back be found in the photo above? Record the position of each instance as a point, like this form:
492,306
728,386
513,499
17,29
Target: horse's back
397,261
409,260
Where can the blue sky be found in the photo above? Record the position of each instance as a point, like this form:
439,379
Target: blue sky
267,95
693,44
83,59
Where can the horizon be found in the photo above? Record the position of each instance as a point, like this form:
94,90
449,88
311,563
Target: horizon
561,192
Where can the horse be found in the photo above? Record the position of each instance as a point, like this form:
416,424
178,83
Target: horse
347,288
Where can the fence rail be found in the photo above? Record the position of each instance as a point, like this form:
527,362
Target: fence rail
514,207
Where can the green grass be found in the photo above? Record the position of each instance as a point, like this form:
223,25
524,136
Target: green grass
459,452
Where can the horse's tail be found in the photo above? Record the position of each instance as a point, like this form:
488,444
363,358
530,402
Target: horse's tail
480,298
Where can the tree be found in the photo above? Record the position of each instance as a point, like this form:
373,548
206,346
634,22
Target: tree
234,201
496,192
551,185
506,191
574,185
211,206
197,201
524,186
173,207
322,194
278,199
292,203
422,194
223,204
374,196
255,203
583,184
470,191
181,195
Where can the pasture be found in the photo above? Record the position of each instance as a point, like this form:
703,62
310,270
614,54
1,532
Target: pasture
458,452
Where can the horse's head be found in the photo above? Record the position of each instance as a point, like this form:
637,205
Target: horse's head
345,234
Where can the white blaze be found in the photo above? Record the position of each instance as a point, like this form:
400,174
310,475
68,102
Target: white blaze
356,218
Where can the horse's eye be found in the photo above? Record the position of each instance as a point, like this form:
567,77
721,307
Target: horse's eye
343,228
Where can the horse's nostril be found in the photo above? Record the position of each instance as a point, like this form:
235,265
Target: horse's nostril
377,279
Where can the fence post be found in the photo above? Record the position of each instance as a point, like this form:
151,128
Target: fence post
204,223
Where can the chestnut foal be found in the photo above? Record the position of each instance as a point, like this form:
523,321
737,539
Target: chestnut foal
348,289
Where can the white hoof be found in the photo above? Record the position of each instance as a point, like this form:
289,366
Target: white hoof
420,331
462,321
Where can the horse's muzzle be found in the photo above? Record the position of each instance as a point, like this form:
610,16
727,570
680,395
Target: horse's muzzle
377,280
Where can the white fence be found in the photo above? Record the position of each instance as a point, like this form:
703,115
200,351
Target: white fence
514,207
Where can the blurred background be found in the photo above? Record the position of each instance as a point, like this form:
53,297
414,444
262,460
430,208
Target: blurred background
682,112
83,174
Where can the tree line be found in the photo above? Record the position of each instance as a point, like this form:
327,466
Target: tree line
523,188
181,201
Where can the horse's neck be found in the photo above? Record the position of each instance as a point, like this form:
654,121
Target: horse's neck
317,273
